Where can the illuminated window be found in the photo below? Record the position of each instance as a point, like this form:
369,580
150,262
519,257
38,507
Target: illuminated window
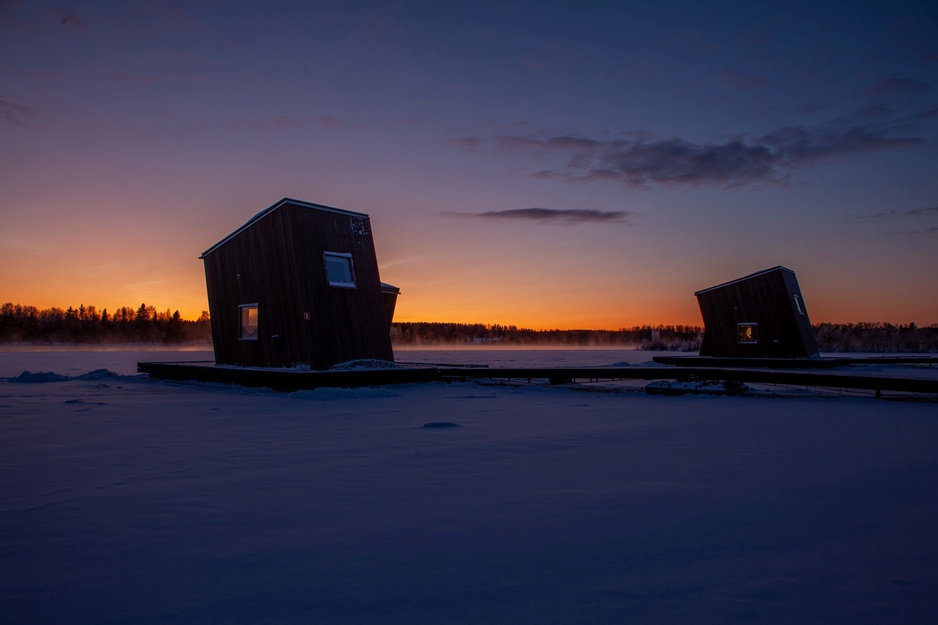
798,305
339,269
747,333
248,322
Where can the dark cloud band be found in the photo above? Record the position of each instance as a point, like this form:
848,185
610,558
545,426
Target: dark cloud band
558,215
913,212
16,113
639,162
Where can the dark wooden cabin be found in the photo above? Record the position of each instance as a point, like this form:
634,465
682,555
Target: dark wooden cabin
298,284
762,315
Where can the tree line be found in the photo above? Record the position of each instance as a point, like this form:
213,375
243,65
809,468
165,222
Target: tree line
145,324
661,337
831,337
879,338
86,324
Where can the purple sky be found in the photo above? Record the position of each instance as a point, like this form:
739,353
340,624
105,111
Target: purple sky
539,164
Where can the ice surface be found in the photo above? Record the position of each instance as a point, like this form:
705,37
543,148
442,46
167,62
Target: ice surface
344,393
126,500
71,360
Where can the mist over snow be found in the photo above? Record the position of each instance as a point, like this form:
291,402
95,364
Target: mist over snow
129,500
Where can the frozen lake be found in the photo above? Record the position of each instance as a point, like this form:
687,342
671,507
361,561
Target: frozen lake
123,359
127,500
70,360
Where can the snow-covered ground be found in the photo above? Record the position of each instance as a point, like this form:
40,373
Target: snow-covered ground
127,500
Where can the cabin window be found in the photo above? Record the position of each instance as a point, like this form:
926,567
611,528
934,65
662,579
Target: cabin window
339,270
747,333
248,322
798,305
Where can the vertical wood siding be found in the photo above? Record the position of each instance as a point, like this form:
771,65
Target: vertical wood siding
767,299
277,262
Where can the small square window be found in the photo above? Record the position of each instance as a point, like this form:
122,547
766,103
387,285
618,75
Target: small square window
339,269
248,322
747,333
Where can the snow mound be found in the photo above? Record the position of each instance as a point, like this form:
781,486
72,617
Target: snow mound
439,425
98,374
701,387
355,365
42,377
475,396
330,393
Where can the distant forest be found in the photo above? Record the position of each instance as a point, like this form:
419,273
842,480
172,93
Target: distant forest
674,338
145,324
85,324
831,337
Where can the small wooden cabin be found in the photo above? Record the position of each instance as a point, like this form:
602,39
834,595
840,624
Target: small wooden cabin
298,284
762,315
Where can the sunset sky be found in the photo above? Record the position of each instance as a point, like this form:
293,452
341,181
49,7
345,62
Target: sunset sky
542,164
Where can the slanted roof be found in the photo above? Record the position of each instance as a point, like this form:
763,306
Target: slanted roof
270,209
752,275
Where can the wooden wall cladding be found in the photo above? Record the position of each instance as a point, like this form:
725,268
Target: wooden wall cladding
277,262
766,299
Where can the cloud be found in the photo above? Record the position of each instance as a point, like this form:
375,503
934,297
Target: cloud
932,230
902,215
898,86
554,215
69,20
328,121
17,114
914,212
638,161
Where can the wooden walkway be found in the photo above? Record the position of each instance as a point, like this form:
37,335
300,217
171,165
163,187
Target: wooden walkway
795,377
292,380
792,363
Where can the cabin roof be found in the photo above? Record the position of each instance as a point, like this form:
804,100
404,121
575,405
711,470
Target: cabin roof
752,275
270,209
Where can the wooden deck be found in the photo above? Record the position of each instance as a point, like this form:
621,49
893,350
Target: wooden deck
292,380
792,363
826,379
751,363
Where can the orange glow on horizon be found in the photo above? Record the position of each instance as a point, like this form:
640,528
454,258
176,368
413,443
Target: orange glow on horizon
536,309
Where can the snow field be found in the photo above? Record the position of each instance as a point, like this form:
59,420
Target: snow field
126,500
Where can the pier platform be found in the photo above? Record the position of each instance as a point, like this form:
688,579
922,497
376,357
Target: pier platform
293,380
